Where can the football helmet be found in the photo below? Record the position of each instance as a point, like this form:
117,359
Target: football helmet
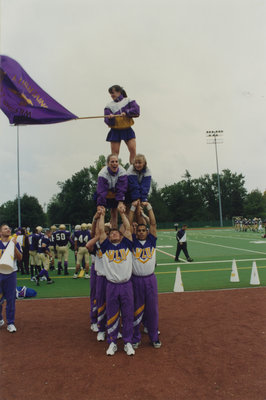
83,226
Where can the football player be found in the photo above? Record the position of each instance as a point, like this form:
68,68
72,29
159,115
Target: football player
62,238
81,238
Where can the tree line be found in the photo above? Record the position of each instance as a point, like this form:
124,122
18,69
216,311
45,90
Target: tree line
189,200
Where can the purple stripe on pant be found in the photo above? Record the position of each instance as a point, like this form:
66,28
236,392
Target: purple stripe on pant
93,303
8,284
119,297
145,301
101,302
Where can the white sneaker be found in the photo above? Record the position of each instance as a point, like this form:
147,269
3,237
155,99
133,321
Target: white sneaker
87,276
129,349
157,344
11,328
75,276
101,336
43,278
94,327
111,349
136,345
33,279
2,322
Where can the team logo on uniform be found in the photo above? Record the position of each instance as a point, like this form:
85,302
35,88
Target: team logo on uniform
117,255
143,255
99,253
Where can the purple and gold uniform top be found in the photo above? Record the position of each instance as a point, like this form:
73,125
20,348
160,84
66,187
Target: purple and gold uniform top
82,237
44,240
118,106
144,255
33,241
3,246
52,240
111,185
139,183
99,266
62,238
117,260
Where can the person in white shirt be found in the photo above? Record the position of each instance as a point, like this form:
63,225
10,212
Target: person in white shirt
117,259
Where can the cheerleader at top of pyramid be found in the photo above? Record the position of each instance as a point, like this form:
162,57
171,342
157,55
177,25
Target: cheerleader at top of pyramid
119,118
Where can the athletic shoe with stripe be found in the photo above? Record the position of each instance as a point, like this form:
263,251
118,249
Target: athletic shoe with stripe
157,344
2,322
111,349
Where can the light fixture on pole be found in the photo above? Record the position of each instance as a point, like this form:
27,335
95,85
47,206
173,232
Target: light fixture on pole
215,138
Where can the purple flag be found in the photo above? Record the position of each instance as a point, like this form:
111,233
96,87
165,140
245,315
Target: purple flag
23,101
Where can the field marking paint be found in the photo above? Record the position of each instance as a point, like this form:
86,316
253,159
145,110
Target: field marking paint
216,261
168,254
52,277
174,271
251,237
205,270
226,247
231,237
224,230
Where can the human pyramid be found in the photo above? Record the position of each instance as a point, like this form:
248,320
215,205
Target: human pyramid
123,283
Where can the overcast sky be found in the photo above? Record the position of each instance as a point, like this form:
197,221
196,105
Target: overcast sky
192,66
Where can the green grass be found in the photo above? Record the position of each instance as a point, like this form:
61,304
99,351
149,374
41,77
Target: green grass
213,251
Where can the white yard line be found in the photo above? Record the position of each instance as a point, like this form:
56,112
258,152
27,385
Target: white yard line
232,237
214,262
226,247
168,254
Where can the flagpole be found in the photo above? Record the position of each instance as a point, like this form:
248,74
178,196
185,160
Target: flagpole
99,116
19,210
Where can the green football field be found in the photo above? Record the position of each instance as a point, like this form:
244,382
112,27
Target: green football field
213,251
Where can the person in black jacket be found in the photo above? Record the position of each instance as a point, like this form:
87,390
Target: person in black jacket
181,238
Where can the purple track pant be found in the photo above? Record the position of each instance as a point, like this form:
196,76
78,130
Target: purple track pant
101,302
145,300
93,303
119,297
8,284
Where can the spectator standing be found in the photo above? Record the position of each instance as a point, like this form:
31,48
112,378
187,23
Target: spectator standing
181,238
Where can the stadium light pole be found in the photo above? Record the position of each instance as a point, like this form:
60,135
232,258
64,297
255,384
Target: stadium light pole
215,139
19,210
